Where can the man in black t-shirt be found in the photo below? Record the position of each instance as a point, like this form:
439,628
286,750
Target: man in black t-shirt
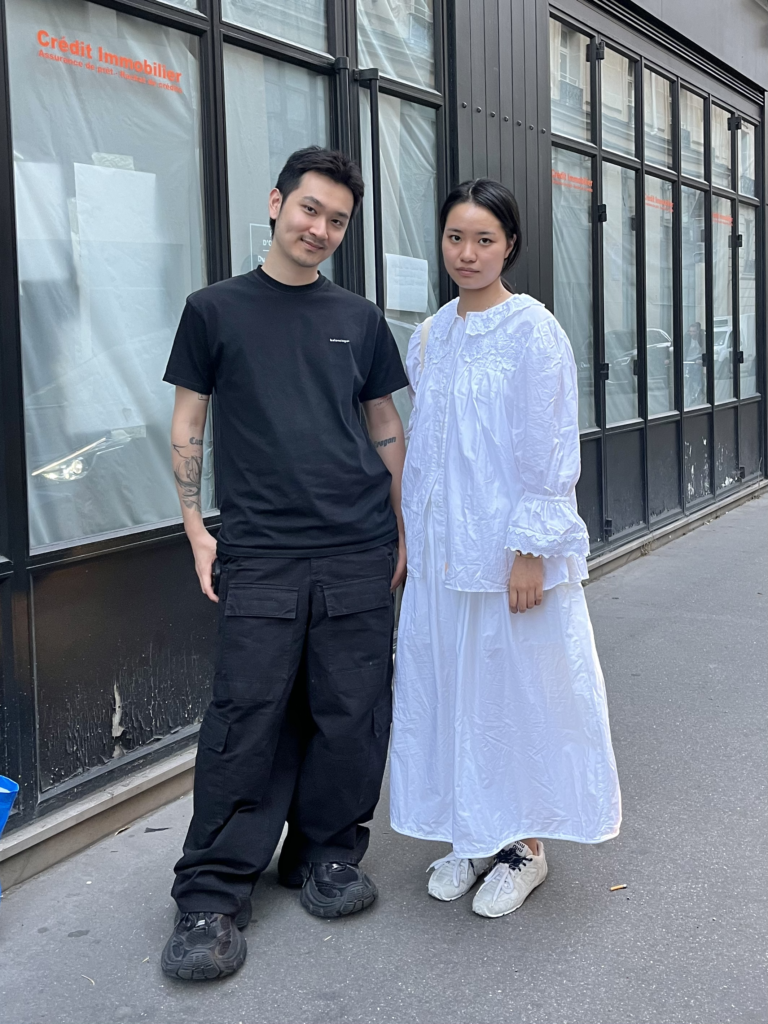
309,552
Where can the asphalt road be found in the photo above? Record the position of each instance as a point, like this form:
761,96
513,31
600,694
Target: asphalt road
682,637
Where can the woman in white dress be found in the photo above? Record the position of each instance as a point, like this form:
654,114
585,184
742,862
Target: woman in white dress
500,735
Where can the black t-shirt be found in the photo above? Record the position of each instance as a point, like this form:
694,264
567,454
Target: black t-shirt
296,473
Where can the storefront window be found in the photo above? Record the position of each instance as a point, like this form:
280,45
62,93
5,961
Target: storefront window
620,293
571,216
398,39
618,103
297,21
658,119
721,148
106,138
659,308
748,299
409,217
694,282
722,296
569,82
747,159
692,134
272,109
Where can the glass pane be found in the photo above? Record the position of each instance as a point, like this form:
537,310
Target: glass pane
620,293
721,148
618,102
189,5
298,21
569,82
659,308
110,242
748,299
571,209
746,139
722,296
398,38
692,134
694,298
408,135
272,110
658,119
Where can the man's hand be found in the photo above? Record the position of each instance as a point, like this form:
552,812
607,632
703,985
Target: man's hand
526,583
204,550
399,576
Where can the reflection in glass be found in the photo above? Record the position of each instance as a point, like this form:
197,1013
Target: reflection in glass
408,134
722,297
721,148
110,242
620,293
746,139
189,5
657,100
571,209
691,134
272,109
659,308
569,82
748,300
618,102
694,298
398,39
298,21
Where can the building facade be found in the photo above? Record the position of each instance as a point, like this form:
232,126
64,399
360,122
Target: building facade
138,142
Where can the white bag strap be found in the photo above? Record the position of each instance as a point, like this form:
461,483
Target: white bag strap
424,338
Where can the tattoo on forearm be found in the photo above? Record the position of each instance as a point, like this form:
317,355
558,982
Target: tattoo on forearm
382,401
188,474
195,440
384,443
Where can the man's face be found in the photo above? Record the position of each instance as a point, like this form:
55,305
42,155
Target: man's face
311,220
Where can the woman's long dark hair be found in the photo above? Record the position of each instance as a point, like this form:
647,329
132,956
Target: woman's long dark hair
496,199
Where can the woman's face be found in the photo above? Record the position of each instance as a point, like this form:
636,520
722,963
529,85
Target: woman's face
474,246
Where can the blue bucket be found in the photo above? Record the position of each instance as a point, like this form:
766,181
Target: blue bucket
8,791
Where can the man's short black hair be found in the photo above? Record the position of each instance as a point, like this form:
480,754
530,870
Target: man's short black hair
330,162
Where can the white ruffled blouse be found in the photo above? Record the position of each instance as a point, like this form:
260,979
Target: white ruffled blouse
494,446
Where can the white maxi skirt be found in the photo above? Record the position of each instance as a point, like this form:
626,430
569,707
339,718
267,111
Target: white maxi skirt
500,727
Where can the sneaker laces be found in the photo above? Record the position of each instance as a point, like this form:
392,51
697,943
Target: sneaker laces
460,866
507,863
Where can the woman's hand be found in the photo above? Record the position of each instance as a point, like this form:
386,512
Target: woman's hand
526,583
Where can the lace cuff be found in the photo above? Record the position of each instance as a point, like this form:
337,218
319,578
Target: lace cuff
547,526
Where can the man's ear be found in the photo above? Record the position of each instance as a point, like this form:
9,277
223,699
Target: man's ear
275,202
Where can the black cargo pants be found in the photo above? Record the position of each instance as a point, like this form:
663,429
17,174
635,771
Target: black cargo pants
299,723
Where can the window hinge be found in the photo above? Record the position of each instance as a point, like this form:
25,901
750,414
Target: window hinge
602,213
604,369
634,367
341,64
608,527
742,472
739,241
734,123
633,223
739,354
596,50
367,75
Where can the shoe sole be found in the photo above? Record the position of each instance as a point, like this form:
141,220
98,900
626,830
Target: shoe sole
451,899
505,913
356,898
200,965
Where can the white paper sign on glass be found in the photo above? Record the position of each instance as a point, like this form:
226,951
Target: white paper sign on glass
261,242
407,283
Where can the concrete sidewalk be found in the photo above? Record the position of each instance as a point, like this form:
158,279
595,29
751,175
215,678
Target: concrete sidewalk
682,636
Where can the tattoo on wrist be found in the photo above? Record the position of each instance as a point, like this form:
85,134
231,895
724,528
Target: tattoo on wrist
384,443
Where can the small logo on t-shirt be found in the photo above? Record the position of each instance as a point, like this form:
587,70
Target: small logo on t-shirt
340,341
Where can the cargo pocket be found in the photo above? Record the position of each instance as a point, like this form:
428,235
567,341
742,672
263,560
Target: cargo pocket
360,621
382,718
213,733
256,654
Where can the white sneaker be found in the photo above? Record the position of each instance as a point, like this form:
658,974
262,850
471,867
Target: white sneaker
514,876
455,875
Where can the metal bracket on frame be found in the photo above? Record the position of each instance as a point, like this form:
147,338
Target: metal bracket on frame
604,369
735,123
602,213
596,50
608,528
366,75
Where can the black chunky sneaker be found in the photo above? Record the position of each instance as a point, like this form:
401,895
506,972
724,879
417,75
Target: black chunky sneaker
293,877
242,918
204,946
334,890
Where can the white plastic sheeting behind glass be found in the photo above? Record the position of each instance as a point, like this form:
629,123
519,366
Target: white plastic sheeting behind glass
694,283
572,222
748,299
409,216
105,115
398,38
297,21
272,109
722,297
620,292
